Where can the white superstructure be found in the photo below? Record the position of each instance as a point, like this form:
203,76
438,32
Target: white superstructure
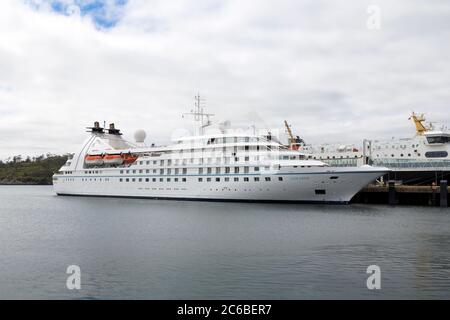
226,165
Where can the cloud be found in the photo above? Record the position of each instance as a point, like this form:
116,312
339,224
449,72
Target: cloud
313,63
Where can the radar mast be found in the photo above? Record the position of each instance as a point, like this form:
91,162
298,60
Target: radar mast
201,119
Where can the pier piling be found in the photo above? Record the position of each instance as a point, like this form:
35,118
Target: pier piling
392,195
444,193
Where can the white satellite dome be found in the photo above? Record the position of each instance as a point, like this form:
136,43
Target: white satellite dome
140,135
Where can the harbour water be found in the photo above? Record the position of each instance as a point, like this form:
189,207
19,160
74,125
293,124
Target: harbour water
155,249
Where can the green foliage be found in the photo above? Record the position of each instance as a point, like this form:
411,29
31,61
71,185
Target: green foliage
38,170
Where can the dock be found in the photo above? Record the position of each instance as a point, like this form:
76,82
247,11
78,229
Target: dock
398,194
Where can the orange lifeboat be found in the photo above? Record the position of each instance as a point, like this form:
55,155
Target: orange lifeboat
113,159
128,158
93,160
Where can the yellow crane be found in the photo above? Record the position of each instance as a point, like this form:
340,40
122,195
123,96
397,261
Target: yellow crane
417,120
294,141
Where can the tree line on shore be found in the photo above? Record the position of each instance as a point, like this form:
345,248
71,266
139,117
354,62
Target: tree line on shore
30,170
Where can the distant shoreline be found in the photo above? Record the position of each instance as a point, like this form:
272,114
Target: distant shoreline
25,184
37,171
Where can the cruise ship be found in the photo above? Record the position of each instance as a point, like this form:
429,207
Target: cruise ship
221,165
420,159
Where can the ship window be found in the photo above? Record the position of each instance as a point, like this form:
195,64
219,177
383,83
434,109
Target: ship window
128,171
140,179
161,179
169,171
217,179
436,154
154,179
236,179
121,171
176,179
147,179
208,179
280,178
320,191
246,179
200,179
127,180
227,169
227,179
200,170
184,179
256,178
140,171
334,177
184,172
120,179
217,170
161,171
246,169
147,171
133,180
267,178
438,139
168,179
147,162
236,169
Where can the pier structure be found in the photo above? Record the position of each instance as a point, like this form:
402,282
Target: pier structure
396,194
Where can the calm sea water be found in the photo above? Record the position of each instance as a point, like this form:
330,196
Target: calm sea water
139,249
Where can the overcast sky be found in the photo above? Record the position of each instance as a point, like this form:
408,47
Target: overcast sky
64,64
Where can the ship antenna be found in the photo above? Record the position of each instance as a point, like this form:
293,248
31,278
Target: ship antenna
199,115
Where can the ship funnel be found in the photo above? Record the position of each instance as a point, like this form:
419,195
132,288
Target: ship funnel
96,128
112,129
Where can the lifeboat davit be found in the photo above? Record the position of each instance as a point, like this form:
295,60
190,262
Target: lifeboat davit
129,158
113,159
93,160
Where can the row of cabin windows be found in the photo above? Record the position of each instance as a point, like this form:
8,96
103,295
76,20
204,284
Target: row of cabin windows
155,171
245,179
208,170
230,139
332,157
226,179
176,162
152,179
401,155
219,170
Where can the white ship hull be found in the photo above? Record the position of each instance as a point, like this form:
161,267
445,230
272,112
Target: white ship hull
226,165
318,186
